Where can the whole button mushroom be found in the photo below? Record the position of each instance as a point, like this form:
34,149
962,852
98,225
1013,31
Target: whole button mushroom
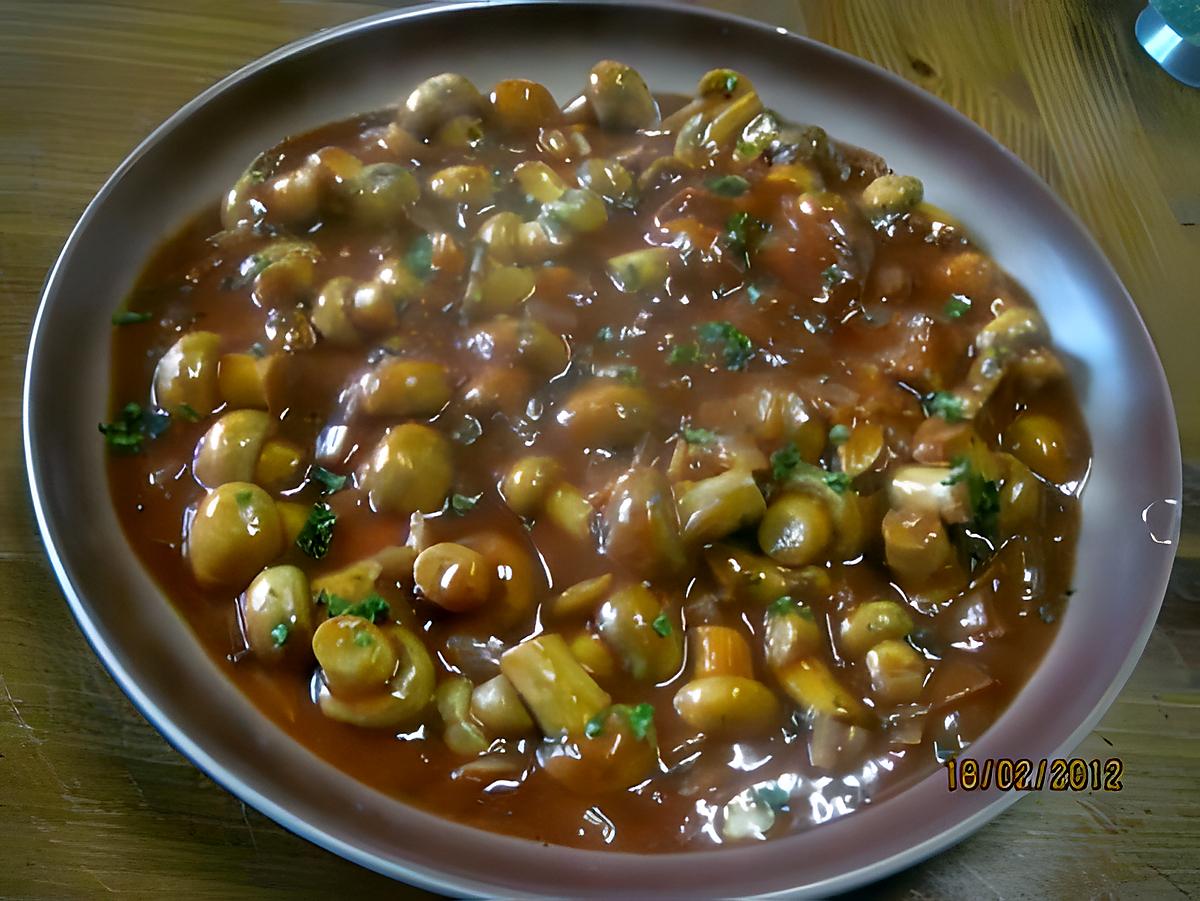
408,471
723,697
454,577
186,375
234,532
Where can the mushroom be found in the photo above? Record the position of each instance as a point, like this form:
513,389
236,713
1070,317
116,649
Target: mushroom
723,697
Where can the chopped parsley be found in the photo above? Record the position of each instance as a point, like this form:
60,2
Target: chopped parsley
330,482
133,425
834,276
640,718
129,317
419,258
957,306
243,499
371,608
728,185
699,436
731,82
736,347
838,481
188,412
257,350
983,495
605,333
464,503
782,605
839,434
279,634
662,625
743,233
363,639
681,354
944,404
248,271
784,460
317,533
772,794
753,292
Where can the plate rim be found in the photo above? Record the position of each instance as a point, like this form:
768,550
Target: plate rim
416,873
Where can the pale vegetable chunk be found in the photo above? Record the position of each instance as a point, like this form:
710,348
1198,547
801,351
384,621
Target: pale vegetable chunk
409,470
619,97
234,532
713,508
607,413
229,450
526,485
641,526
398,387
873,622
897,672
277,613
453,577
379,677
795,530
647,638
497,706
1040,443
186,375
891,195
555,688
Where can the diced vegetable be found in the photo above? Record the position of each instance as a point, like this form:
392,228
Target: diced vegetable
555,688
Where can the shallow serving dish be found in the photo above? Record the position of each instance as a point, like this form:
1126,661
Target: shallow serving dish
1131,511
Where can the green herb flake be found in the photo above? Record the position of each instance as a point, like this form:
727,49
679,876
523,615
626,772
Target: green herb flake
662,625
330,482
834,276
784,461
244,498
317,533
188,412
944,404
129,317
595,726
957,306
249,269
279,635
371,608
682,354
839,434
983,497
641,720
838,481
737,349
747,149
781,605
363,639
753,292
133,425
771,794
742,235
464,503
606,333
419,258
728,185
699,436
257,350
731,82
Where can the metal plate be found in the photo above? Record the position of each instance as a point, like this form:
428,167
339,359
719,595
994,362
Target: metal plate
1131,507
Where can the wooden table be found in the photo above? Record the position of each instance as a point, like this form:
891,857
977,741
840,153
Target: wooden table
92,800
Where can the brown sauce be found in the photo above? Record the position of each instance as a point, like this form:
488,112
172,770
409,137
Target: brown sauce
798,333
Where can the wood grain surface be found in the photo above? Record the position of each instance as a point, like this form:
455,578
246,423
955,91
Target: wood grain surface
93,801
